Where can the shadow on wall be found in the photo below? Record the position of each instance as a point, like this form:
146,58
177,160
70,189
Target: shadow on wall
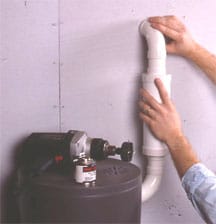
9,191
112,46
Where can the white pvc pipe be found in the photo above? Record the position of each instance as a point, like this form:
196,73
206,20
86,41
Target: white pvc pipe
153,148
153,177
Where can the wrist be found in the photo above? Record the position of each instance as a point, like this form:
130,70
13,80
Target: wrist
182,153
192,53
175,140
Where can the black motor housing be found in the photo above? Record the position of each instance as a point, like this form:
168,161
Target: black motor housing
46,151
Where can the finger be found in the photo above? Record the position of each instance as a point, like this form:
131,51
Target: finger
145,118
169,21
169,32
150,100
162,92
175,23
171,48
147,110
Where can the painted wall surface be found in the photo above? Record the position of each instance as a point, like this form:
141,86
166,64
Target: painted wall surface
75,64
29,80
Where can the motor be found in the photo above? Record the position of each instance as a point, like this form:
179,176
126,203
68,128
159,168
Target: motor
72,151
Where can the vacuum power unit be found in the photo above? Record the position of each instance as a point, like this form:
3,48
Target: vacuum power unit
69,177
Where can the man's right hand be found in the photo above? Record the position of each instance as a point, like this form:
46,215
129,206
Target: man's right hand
181,42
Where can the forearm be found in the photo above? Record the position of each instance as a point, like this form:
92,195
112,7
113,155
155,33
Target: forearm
204,60
182,154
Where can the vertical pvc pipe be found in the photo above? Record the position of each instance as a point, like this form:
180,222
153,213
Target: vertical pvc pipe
152,147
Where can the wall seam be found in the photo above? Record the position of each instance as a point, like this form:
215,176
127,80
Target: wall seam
59,71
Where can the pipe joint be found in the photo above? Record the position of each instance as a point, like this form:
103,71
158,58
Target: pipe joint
155,165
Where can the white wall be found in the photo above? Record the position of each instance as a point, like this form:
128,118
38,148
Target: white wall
76,64
29,77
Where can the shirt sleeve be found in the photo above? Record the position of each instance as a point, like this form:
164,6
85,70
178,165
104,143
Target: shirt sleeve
200,185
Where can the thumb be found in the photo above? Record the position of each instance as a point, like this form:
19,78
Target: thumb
171,48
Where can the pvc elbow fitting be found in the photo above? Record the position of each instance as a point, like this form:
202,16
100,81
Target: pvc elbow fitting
155,41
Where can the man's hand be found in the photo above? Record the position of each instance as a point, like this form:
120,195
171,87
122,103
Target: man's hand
162,118
180,41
